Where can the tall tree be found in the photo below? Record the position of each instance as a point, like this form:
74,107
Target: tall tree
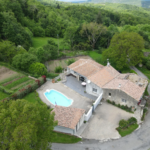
25,126
70,35
92,31
125,49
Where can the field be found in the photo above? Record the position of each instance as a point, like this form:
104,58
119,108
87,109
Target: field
41,41
63,63
12,81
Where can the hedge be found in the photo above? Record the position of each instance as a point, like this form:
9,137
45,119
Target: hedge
5,90
27,89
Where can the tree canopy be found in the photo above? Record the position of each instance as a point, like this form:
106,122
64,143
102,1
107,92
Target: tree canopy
25,126
125,49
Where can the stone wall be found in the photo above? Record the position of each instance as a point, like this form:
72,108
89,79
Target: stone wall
117,96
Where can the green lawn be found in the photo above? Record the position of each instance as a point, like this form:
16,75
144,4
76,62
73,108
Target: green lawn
33,97
3,95
94,55
52,75
41,41
145,71
129,130
64,138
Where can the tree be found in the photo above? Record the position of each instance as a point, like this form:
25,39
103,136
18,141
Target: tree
125,49
23,61
25,126
69,35
38,69
92,31
7,51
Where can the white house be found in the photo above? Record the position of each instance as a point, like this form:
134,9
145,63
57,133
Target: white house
125,89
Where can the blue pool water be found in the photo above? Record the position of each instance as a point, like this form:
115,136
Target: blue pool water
56,98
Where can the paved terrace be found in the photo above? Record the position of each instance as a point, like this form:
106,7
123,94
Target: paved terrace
74,84
79,101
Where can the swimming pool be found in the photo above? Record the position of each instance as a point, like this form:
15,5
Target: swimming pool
57,98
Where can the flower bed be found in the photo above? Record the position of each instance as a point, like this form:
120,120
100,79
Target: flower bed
126,108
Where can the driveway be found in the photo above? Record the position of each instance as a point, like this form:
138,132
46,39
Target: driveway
103,124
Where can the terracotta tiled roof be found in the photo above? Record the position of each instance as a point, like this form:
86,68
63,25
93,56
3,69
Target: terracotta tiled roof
104,76
109,78
86,67
130,88
67,116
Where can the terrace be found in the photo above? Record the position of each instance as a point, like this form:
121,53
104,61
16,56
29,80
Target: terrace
79,101
74,84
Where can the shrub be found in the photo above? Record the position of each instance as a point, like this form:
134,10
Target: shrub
123,123
109,101
148,64
113,103
70,61
132,120
37,69
58,69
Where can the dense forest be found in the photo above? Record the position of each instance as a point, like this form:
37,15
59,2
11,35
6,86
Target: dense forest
21,20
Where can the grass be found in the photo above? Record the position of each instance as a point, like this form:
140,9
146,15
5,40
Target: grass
3,95
17,82
145,71
33,98
52,75
41,41
64,138
129,130
94,55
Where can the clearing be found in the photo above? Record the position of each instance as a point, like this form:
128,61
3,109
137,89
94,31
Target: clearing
63,62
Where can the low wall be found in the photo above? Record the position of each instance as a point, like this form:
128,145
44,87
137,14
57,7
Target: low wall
97,101
88,115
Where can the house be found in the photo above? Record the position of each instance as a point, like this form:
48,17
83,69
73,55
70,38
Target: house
69,119
125,89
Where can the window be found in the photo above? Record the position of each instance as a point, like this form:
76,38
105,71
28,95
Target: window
124,100
109,94
94,90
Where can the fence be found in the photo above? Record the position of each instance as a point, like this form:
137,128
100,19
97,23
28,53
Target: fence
97,101
88,115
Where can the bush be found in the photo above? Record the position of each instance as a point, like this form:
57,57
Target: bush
58,69
37,69
113,103
132,120
70,61
148,64
123,124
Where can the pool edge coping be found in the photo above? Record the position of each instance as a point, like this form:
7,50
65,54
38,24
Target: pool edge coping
62,94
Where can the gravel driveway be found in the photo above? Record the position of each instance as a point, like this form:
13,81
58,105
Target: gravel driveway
103,124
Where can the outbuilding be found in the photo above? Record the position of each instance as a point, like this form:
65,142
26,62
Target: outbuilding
69,119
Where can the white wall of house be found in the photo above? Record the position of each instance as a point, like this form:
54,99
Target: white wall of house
88,115
64,130
98,100
90,89
119,97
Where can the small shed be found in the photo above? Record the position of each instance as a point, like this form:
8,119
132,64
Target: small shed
69,119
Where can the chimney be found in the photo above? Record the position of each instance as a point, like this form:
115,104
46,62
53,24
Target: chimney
119,86
108,64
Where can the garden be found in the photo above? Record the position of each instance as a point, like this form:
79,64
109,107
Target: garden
127,126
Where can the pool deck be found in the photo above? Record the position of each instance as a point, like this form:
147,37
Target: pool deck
79,101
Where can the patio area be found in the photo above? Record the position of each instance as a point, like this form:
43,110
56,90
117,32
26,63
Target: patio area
79,101
74,84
